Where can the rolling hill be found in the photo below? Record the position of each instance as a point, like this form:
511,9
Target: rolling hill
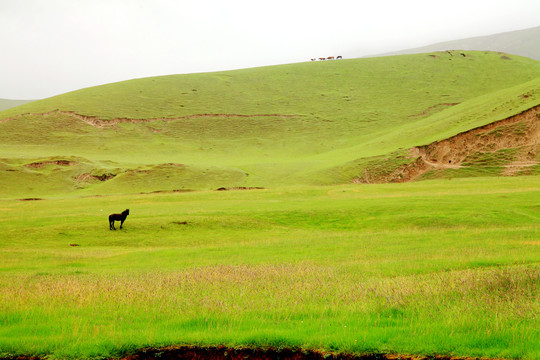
521,42
7,103
358,120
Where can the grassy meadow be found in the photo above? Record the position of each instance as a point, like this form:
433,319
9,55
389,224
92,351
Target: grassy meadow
435,267
311,258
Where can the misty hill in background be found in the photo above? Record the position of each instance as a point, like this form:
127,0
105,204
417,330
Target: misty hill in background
522,42
8,104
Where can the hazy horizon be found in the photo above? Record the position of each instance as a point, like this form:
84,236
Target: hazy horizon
59,46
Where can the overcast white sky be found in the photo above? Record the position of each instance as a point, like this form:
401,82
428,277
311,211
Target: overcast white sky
48,47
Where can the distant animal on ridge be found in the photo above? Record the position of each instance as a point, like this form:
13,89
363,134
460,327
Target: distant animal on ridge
118,217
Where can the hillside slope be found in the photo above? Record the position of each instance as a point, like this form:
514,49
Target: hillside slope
521,42
309,123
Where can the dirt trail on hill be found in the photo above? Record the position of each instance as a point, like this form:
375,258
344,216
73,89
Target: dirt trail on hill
425,112
98,122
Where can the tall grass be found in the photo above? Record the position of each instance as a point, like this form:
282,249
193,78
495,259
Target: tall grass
470,312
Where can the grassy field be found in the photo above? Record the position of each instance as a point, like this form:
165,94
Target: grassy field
435,267
310,259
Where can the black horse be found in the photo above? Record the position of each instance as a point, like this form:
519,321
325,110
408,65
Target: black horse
118,217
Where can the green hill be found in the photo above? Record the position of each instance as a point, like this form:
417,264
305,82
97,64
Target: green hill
521,42
309,123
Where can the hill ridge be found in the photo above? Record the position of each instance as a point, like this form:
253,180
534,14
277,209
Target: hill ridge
518,42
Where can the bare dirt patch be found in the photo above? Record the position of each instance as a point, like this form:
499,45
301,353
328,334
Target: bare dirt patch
519,133
180,222
240,188
86,177
227,353
429,109
168,191
40,164
512,144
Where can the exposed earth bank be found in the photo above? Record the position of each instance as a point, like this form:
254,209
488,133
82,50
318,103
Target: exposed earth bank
511,144
227,353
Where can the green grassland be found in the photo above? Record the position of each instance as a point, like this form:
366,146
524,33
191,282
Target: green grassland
310,259
309,123
434,267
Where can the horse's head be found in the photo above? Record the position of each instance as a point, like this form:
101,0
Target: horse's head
125,212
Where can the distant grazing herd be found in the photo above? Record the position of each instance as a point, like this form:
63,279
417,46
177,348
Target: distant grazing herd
328,58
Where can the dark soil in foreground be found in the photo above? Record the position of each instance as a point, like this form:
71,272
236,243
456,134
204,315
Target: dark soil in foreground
226,353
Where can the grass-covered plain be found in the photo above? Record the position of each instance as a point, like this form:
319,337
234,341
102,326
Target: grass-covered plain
446,267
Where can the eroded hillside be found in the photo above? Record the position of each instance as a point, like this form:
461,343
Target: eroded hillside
506,147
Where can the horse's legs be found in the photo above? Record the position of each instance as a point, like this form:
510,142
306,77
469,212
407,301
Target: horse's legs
122,223
111,225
